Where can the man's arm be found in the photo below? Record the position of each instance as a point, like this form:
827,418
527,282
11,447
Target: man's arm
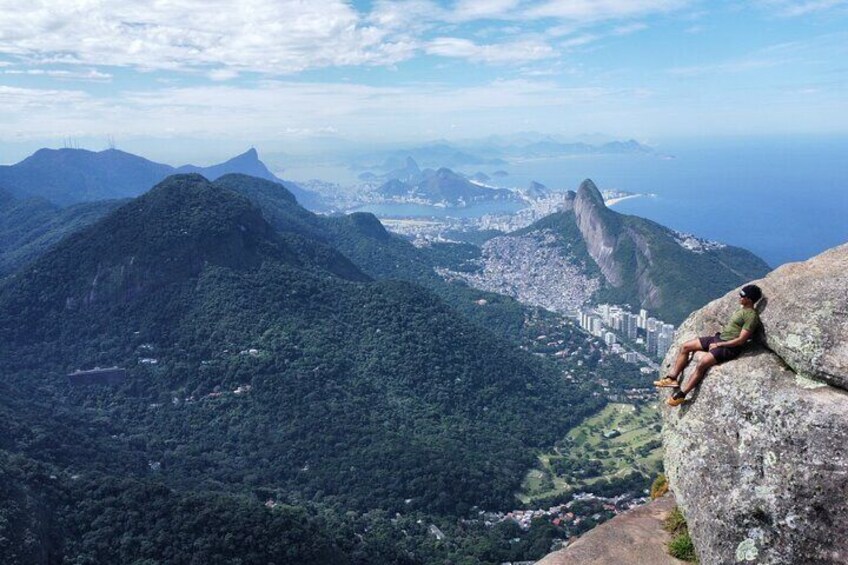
744,336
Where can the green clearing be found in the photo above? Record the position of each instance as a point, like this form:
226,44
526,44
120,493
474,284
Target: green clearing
607,445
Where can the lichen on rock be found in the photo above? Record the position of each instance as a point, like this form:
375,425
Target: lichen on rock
747,550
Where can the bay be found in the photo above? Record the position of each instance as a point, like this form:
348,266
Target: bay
785,199
403,210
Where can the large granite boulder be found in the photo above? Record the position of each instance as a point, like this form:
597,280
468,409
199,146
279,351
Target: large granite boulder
757,456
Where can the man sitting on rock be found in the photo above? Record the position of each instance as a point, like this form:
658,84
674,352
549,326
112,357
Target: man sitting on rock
723,346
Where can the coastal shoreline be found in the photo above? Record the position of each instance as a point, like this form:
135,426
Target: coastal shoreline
614,201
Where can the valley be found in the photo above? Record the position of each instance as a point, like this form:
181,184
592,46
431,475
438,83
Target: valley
609,445
316,366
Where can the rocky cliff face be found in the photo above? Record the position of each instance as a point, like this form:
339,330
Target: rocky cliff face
599,229
757,457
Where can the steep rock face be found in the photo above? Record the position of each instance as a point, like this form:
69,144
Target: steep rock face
757,458
597,226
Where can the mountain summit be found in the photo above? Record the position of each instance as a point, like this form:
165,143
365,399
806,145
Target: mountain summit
247,163
69,176
650,266
160,243
441,187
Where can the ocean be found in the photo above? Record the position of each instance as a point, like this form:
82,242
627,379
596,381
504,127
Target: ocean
784,199
421,210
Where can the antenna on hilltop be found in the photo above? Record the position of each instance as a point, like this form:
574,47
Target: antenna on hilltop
110,141
69,142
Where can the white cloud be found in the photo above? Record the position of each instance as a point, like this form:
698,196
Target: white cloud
273,36
601,10
798,54
794,8
91,75
274,108
579,40
467,10
309,132
741,65
223,74
627,29
406,15
587,38
33,113
512,52
221,38
16,99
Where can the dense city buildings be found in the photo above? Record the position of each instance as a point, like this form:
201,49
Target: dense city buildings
615,324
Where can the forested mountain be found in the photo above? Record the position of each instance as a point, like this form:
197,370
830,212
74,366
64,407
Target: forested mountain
261,364
69,176
30,226
363,239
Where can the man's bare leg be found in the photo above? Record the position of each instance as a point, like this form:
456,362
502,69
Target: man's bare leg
704,363
683,354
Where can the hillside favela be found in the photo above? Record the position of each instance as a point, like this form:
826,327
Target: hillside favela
423,282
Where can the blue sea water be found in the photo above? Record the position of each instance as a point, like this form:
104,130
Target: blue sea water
784,199
421,210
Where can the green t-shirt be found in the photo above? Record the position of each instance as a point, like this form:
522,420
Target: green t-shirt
742,319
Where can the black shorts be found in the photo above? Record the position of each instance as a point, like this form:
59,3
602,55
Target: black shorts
721,354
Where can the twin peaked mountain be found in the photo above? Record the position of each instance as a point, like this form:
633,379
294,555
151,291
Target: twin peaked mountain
646,264
587,252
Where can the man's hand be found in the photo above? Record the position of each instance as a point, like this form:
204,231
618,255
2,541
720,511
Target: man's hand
714,345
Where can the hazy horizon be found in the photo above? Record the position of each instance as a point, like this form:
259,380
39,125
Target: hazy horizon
180,82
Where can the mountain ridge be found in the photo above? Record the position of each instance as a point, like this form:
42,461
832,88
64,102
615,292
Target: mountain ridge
30,226
68,176
442,187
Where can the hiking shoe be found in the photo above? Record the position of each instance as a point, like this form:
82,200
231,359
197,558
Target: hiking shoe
667,382
676,399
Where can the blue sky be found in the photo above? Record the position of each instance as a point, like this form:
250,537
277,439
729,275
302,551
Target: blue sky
163,76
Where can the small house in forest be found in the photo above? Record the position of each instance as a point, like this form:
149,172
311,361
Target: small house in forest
98,376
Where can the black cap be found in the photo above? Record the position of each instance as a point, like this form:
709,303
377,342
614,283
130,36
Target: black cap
752,292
